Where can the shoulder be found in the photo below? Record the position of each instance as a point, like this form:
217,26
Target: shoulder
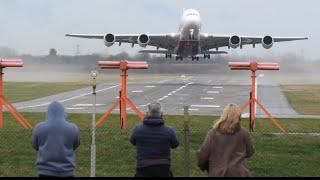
73,126
244,132
169,129
138,128
39,126
212,132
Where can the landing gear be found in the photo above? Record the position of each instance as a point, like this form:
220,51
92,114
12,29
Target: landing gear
195,58
179,57
206,56
168,55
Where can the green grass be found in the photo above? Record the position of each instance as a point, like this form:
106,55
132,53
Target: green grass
20,91
276,155
304,98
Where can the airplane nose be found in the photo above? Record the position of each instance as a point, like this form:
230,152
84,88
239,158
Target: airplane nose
193,21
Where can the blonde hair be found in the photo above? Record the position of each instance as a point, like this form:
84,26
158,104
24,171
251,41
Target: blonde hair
229,119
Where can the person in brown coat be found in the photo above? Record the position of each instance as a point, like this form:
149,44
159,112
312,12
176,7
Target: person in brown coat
226,146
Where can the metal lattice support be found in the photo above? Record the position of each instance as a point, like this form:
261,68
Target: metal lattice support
3,102
253,66
123,100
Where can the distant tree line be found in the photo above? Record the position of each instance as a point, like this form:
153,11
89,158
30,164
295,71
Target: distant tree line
288,62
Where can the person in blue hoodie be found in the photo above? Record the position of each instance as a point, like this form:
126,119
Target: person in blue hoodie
55,139
153,141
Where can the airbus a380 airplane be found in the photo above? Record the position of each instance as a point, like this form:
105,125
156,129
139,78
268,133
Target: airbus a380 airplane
189,41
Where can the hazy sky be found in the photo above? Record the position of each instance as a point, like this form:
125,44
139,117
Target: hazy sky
34,26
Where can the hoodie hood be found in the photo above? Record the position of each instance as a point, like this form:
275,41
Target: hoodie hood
153,121
55,113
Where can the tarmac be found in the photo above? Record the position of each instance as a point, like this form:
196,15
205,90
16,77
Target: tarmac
204,94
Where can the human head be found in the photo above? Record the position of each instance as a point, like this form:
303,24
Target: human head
229,119
56,112
154,109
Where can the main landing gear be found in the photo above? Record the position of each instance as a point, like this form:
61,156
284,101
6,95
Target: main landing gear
195,58
206,56
179,58
168,56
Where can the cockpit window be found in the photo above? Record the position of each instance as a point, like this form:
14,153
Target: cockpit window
192,14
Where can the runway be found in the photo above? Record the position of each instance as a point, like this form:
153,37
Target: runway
205,95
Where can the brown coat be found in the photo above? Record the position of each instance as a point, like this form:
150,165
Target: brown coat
224,154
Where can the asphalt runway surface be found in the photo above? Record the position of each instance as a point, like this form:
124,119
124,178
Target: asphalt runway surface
205,95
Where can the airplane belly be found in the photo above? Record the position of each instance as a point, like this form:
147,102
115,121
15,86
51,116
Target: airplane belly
188,48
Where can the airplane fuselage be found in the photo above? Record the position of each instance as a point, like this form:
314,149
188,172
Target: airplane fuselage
189,30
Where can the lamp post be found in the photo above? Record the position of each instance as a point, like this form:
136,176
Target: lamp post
94,75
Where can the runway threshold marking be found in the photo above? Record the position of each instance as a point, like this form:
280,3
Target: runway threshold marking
205,106
68,99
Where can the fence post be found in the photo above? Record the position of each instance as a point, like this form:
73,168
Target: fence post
186,134
94,74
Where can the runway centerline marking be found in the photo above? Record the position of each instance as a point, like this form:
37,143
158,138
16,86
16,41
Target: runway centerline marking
217,87
207,98
205,106
213,92
68,99
143,105
192,109
174,91
149,86
137,91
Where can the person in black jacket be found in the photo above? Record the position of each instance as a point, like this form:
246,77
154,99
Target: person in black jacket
153,141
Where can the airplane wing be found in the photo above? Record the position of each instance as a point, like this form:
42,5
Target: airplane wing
154,51
216,41
165,41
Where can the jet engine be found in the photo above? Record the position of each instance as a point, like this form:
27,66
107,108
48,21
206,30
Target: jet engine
234,41
267,42
143,40
109,39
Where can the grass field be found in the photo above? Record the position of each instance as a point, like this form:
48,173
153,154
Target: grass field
20,91
304,98
276,155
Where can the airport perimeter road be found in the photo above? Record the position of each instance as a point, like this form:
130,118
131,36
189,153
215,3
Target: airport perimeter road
206,95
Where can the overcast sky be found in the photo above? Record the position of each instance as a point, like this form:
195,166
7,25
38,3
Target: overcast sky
35,26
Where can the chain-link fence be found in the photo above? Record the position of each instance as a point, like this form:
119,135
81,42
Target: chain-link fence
296,153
